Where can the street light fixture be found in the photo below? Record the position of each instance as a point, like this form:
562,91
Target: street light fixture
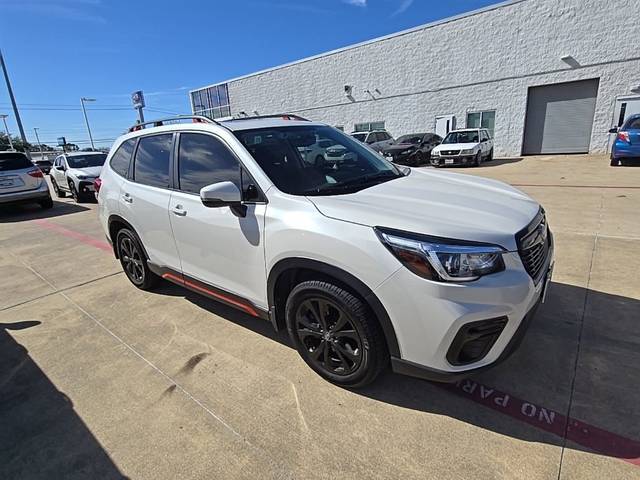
4,116
86,121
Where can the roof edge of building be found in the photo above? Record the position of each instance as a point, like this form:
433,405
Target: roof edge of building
401,33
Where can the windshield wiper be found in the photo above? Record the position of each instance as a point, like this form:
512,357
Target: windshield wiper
355,184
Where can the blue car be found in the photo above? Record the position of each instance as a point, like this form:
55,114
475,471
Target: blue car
626,148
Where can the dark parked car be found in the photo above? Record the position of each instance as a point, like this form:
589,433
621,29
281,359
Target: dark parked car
626,147
414,149
44,165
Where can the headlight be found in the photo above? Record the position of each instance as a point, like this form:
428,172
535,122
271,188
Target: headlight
469,151
81,177
443,260
435,153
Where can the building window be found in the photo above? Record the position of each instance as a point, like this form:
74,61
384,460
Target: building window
368,126
485,119
212,102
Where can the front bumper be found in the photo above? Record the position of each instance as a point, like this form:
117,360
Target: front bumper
85,187
427,316
40,193
450,161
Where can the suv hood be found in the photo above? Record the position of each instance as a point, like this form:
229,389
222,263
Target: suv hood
455,146
441,204
88,171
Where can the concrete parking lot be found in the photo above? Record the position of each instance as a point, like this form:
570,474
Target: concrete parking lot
101,380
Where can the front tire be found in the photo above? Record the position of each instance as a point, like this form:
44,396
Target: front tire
418,160
134,261
74,191
478,160
56,189
336,334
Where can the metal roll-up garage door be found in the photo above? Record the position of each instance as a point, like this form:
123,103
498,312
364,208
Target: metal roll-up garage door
560,117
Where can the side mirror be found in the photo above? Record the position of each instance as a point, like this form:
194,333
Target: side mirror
613,130
60,167
221,194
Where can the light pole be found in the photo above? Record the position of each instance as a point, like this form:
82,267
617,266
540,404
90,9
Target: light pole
15,107
35,129
4,120
82,100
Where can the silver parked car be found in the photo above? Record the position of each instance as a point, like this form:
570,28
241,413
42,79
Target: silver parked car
21,181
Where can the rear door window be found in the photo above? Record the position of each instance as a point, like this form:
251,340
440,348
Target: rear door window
14,161
121,159
151,165
633,124
203,160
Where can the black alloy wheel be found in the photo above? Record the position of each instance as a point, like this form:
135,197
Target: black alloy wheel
134,261
335,333
418,159
329,336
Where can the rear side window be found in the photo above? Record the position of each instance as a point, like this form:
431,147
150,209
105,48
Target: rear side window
120,160
151,166
204,160
633,124
14,161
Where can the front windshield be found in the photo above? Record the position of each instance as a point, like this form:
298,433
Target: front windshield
471,136
84,161
412,139
359,136
298,164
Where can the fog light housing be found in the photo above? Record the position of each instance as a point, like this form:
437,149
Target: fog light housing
474,340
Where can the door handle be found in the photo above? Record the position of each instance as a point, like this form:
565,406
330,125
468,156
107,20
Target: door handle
127,198
178,210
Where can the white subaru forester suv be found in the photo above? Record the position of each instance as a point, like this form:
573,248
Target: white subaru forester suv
363,262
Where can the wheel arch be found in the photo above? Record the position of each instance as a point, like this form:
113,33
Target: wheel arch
115,223
286,273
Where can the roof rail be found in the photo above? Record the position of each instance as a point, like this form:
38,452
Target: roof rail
170,120
282,116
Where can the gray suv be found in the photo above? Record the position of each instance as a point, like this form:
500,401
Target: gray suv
21,181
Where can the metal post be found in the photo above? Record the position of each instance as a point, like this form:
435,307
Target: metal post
140,114
15,107
4,120
86,120
35,129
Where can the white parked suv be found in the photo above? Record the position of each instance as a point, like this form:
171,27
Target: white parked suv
470,147
363,262
74,173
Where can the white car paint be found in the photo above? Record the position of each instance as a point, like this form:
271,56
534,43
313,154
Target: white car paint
237,254
64,175
484,145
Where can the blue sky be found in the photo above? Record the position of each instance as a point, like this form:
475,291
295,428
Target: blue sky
60,50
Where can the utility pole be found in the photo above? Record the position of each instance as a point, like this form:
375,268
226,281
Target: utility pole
15,107
86,121
4,120
35,129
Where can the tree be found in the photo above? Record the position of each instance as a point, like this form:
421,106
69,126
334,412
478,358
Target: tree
17,143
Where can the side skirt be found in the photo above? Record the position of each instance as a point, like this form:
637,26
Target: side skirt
210,291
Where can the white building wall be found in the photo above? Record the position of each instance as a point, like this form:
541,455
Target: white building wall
483,61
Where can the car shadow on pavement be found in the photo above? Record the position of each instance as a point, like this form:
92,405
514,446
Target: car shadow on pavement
41,435
501,161
21,213
540,381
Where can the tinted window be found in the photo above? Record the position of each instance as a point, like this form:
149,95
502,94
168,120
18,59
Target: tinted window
204,160
120,160
633,124
14,161
83,161
151,166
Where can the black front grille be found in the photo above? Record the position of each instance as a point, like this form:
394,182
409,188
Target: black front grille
449,152
534,243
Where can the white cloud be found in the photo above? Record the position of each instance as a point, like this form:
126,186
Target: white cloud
356,3
404,6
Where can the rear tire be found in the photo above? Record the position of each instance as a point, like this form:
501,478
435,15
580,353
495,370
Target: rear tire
490,156
336,334
134,261
46,204
615,162
56,189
